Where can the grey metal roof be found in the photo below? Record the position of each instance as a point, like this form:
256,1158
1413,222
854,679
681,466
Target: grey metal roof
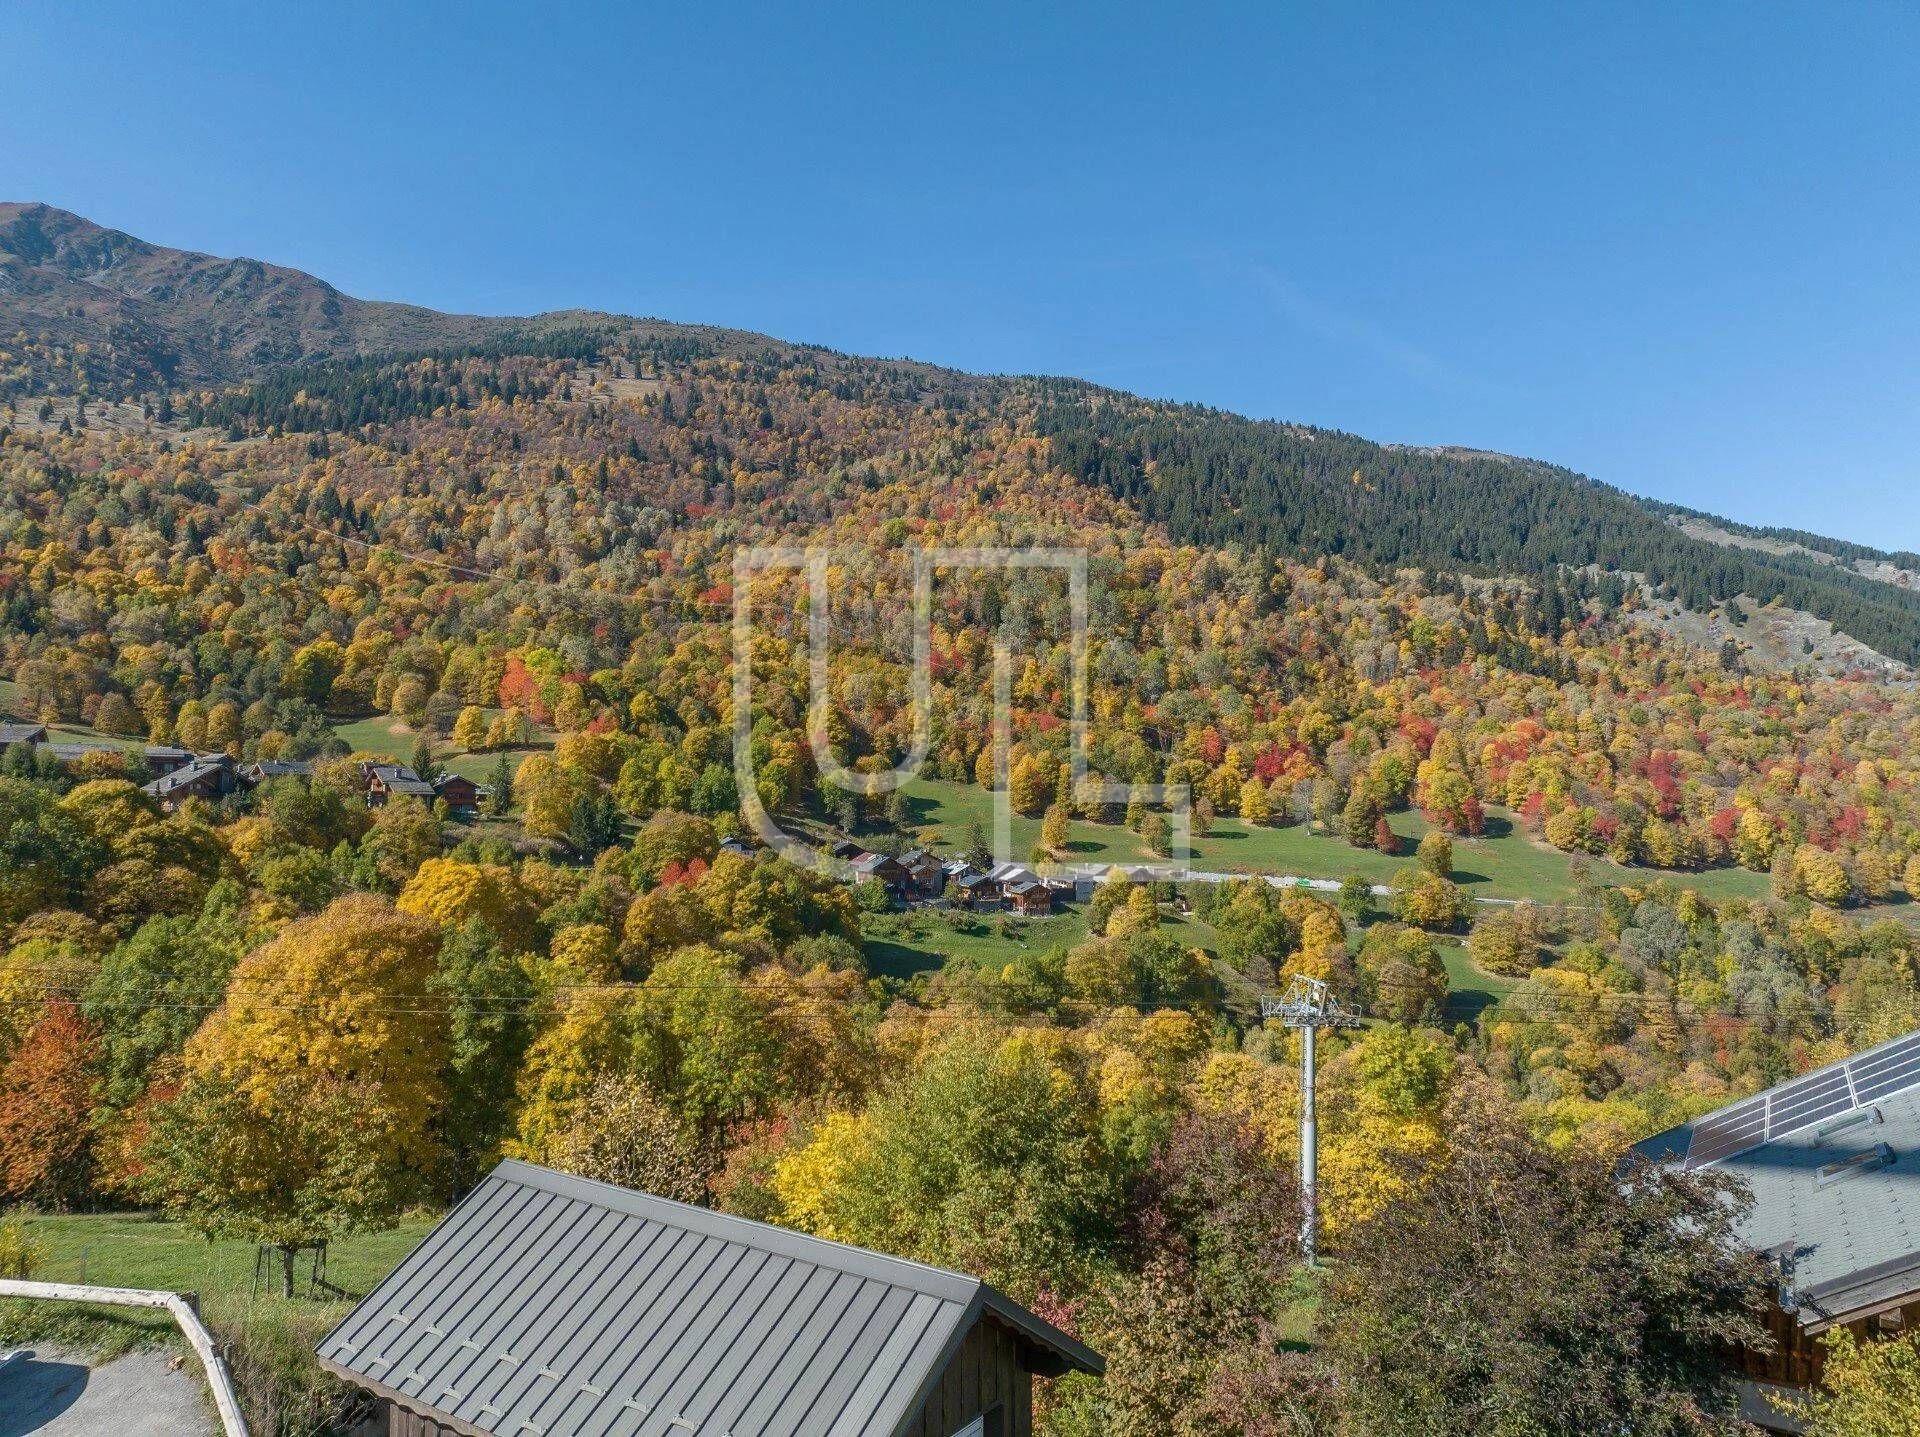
1832,1159
279,768
199,769
11,732
549,1304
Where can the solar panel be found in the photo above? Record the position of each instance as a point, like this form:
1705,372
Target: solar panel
1811,1100
1806,1102
1730,1131
1887,1070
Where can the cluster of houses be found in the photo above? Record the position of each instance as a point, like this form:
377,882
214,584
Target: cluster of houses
180,773
386,781
920,876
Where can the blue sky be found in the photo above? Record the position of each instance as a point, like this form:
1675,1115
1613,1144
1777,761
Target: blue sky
1673,246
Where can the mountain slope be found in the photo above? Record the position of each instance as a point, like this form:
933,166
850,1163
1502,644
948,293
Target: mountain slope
1216,479
89,309
154,315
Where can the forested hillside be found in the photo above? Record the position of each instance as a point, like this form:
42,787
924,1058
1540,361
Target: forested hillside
287,1010
1216,479
94,310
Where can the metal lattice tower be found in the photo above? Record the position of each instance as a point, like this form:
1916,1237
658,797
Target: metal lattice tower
1309,1005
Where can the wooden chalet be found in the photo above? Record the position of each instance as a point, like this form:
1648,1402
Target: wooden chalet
266,769
884,869
387,781
209,776
549,1304
926,874
973,889
462,795
1029,895
14,731
164,758
1832,1159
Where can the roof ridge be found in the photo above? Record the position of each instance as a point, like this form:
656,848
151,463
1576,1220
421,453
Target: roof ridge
937,1282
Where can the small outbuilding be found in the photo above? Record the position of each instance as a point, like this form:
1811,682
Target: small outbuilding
551,1306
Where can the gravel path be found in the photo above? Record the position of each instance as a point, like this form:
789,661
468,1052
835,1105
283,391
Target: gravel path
49,1393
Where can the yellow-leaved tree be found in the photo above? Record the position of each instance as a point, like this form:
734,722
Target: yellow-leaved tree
307,1101
449,892
1867,1389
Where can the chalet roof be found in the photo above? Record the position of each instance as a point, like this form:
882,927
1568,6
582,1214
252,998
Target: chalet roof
278,768
183,778
977,880
167,752
549,1303
1019,887
12,732
1833,1161
68,752
874,862
398,778
1010,872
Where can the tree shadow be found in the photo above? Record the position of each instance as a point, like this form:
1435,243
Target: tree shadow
1465,1005
1464,875
1496,827
36,1390
887,959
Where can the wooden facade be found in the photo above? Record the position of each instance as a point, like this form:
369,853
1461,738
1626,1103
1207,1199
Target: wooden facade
985,1379
1799,1358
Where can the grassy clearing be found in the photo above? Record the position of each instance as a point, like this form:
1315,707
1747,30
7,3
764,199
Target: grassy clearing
382,735
899,945
272,1338
1505,863
395,739
952,807
1471,990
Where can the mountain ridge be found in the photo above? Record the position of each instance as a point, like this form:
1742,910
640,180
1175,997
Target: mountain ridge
104,312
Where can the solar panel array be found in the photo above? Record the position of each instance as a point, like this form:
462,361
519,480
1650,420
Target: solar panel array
1807,1102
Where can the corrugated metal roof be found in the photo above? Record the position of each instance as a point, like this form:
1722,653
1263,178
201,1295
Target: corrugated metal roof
549,1304
1835,1193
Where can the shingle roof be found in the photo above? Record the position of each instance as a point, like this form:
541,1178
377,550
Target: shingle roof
549,1304
1833,1162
